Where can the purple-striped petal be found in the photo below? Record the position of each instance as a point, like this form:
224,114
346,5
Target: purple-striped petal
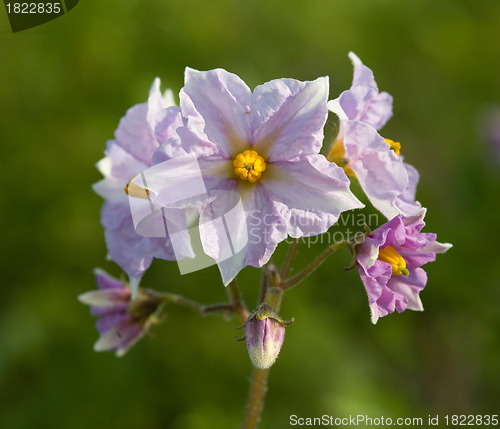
105,281
217,104
309,193
120,337
363,102
110,319
106,298
288,118
118,167
380,172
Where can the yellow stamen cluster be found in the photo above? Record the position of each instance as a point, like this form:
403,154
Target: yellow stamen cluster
394,259
337,155
136,191
249,165
395,146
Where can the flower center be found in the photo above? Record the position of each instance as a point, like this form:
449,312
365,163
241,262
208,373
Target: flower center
395,146
145,307
249,165
394,259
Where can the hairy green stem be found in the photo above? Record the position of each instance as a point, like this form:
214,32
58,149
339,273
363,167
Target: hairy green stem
307,271
179,300
223,308
255,404
273,297
273,287
258,380
235,298
264,284
290,257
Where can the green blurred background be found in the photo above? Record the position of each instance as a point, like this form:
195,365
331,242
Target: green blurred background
63,88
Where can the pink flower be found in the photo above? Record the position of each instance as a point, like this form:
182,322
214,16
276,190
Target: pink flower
123,320
389,262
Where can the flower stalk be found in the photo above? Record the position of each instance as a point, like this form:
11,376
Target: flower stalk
307,271
180,300
257,393
235,305
259,378
290,257
234,295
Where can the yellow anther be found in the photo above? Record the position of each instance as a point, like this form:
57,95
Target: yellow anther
136,191
337,155
390,256
395,146
249,165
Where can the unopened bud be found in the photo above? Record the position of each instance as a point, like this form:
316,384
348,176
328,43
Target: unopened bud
264,340
264,332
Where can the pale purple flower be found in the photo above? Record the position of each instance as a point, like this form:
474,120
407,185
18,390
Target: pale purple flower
389,263
127,156
262,146
363,101
388,182
123,321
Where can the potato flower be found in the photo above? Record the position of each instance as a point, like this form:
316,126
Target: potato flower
262,146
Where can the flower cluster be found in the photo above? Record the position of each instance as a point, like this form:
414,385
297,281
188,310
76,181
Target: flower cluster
226,156
390,258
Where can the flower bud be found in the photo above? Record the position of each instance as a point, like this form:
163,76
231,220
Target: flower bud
264,340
